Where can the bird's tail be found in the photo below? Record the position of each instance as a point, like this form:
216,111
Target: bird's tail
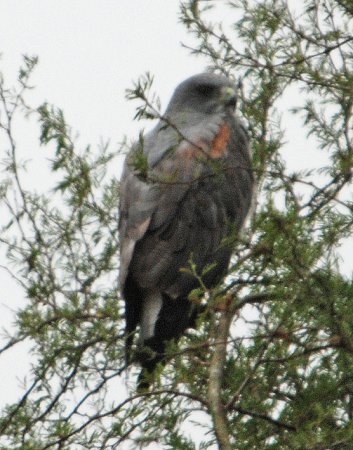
175,316
129,338
150,356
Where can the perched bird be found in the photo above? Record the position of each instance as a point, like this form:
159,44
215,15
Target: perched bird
195,192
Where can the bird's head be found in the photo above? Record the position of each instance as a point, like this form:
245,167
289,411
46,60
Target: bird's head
206,93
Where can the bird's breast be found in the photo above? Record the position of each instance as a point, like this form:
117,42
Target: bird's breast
203,148
220,143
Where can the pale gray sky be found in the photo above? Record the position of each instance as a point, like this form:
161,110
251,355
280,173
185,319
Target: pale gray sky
89,52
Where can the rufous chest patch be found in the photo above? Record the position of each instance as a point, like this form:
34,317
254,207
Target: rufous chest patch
220,142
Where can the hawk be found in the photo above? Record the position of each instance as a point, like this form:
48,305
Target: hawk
195,192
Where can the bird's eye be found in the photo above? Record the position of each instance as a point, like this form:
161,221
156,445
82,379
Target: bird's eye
205,89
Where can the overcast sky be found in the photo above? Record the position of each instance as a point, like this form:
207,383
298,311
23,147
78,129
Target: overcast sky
89,52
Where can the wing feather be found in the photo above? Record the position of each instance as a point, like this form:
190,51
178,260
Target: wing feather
185,214
152,204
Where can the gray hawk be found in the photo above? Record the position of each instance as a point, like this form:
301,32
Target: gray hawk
196,192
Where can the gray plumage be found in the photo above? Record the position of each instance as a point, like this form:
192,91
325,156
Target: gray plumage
198,190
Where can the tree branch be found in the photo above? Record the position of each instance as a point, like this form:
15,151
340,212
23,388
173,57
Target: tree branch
216,380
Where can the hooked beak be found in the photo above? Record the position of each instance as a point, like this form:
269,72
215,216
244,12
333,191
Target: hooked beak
229,97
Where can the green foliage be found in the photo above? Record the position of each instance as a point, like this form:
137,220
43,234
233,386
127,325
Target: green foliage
138,161
270,366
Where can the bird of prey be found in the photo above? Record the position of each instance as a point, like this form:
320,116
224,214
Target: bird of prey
195,192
